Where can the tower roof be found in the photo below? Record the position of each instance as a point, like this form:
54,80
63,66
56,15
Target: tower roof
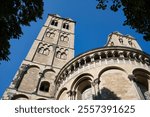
58,16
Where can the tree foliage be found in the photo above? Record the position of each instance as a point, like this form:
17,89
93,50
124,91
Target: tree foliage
137,13
14,14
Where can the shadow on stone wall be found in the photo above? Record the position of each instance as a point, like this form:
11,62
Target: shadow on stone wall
106,94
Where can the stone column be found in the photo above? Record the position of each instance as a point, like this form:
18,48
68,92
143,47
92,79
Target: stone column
95,84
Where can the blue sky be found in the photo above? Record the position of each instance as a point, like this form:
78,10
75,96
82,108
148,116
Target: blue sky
92,29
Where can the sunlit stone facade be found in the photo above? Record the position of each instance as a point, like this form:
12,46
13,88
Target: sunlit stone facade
117,71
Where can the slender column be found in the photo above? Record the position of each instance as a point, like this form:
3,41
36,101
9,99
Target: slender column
95,84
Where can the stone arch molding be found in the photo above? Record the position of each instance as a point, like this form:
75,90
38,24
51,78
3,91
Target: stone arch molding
20,97
61,53
50,33
64,37
31,78
44,49
110,68
81,87
82,83
49,74
115,85
81,78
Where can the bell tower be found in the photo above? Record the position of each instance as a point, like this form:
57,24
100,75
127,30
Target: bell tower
117,39
52,49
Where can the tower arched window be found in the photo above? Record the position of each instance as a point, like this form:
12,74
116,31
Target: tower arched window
63,56
44,86
64,38
41,50
112,44
58,54
66,26
48,34
46,51
130,43
54,22
121,40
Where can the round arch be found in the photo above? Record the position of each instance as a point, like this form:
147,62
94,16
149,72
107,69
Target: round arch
20,97
82,86
142,80
110,68
32,66
49,70
142,70
81,78
40,99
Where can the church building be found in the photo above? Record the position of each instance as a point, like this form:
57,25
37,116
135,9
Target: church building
118,71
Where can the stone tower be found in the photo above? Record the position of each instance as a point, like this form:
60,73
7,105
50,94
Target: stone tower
52,49
117,39
118,71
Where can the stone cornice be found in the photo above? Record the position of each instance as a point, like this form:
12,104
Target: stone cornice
115,52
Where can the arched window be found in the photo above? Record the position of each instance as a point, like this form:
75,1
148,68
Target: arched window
58,54
82,61
52,35
54,22
86,93
66,26
82,86
88,59
142,81
121,40
46,51
76,65
103,55
109,54
116,54
130,42
41,50
63,56
45,86
48,34
64,38
96,57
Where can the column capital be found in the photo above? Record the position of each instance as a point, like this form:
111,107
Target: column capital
96,81
131,77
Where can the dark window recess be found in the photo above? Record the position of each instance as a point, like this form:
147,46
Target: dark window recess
130,43
66,26
45,86
121,40
54,22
